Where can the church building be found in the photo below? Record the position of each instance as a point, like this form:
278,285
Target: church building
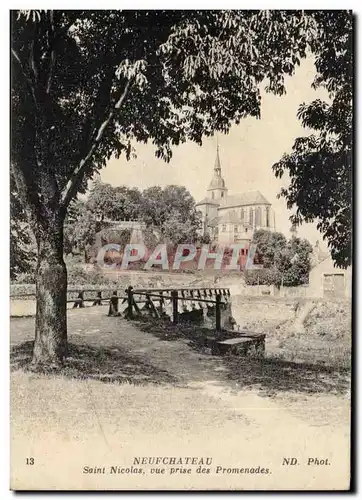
233,218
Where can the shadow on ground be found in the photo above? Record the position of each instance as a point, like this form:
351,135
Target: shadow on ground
110,364
270,375
273,375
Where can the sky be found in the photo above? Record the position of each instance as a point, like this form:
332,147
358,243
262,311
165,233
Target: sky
247,154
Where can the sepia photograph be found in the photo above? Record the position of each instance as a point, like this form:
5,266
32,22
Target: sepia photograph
180,189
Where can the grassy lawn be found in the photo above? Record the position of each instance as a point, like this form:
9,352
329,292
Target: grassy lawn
106,364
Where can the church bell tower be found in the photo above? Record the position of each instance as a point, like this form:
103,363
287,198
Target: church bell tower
217,189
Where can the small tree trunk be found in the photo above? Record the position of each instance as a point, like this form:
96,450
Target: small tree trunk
50,347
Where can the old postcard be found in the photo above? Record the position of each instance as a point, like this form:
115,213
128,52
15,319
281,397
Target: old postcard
180,249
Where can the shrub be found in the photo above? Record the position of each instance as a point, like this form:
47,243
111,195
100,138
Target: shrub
79,276
269,276
25,278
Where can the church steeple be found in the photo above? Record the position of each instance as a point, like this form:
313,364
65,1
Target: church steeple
217,188
217,167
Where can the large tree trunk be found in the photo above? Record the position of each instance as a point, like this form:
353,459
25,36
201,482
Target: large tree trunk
50,347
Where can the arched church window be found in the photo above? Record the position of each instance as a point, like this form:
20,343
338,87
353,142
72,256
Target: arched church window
222,194
267,217
251,217
258,216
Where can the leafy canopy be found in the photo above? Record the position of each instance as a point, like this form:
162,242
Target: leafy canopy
170,212
22,247
284,261
320,164
85,84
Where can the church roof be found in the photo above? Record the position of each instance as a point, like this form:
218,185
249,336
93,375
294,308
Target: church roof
213,222
207,201
231,217
242,199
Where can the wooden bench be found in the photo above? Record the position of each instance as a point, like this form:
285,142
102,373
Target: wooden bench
245,345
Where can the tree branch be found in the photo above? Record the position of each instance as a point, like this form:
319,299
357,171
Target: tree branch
27,79
101,103
76,178
51,37
32,61
26,194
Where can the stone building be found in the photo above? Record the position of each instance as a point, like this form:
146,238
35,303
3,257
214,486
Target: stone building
232,218
327,281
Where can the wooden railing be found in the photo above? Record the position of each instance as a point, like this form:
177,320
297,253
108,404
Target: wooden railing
212,297
154,300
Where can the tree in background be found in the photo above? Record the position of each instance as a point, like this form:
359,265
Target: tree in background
268,245
22,247
80,227
284,262
320,164
294,262
172,212
174,230
85,84
114,203
168,212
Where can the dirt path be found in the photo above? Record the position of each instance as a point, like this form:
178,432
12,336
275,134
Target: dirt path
185,366
96,329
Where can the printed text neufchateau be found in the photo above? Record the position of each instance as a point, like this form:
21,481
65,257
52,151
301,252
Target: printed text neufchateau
172,460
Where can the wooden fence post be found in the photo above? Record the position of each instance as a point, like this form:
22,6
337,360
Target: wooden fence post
113,305
130,299
79,301
218,312
174,295
98,300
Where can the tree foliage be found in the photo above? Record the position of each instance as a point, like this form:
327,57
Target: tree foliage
284,262
114,203
169,212
22,248
320,165
81,226
172,211
87,83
